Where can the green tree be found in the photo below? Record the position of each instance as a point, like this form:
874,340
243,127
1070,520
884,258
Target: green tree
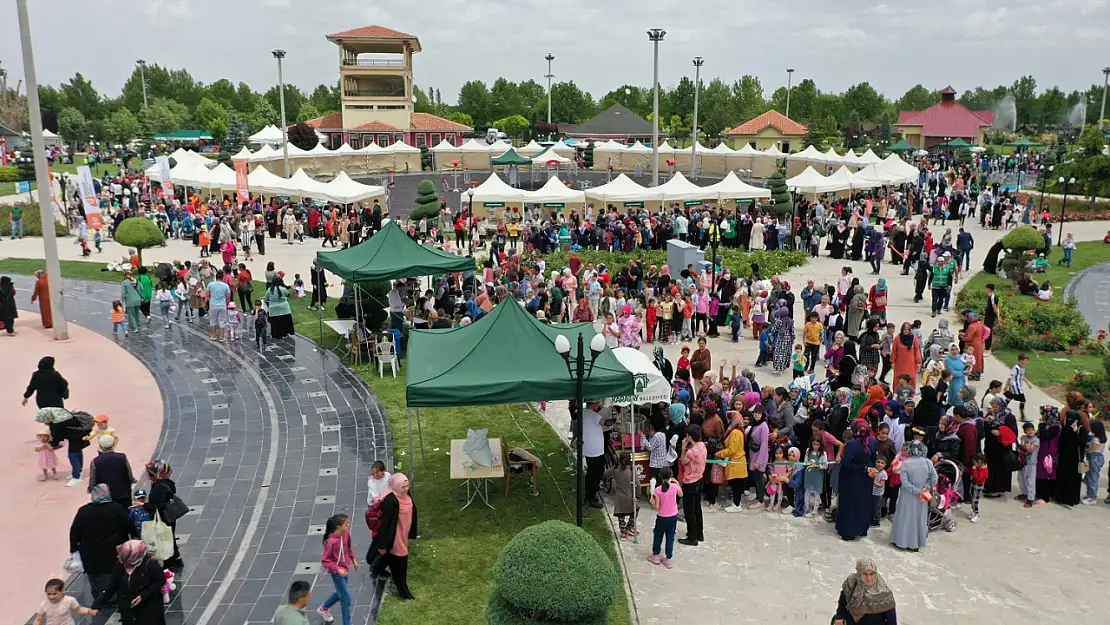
237,135
461,118
474,100
678,101
122,126
716,110
803,100
514,125
534,97
1024,91
163,115
917,98
50,103
210,116
505,100
748,100
303,136
71,125
262,115
570,104
294,99
636,99
780,195
427,201
308,111
325,98
139,233
80,94
864,101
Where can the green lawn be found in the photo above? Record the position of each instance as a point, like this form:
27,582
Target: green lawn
450,570
1043,371
8,188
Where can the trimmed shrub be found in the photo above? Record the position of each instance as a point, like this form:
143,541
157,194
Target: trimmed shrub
427,201
1026,323
1021,239
552,572
32,225
139,233
780,194
9,173
736,261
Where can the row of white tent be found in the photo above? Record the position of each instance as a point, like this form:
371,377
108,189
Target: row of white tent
889,171
621,191
195,172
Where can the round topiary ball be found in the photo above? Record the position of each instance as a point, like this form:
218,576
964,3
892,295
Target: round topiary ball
1023,238
553,572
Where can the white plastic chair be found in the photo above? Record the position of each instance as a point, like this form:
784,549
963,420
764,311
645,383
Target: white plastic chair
386,355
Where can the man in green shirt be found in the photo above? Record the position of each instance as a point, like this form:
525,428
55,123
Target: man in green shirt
942,281
293,613
17,222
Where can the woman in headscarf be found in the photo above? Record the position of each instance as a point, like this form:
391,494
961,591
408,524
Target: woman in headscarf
137,581
41,294
281,314
759,313
8,312
865,599
582,312
390,548
629,328
857,310
876,249
662,364
941,336
854,507
1001,430
784,337
869,346
1075,426
973,338
905,355
875,397
1049,433
162,489
911,518
97,528
850,374
878,299
834,353
759,452
954,364
735,452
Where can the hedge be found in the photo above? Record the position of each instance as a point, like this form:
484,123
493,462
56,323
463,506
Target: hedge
550,573
9,173
32,226
1026,323
736,261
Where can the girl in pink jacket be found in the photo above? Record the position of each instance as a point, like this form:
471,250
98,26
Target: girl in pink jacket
337,560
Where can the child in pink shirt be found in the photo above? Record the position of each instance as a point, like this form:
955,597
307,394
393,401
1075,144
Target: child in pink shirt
665,499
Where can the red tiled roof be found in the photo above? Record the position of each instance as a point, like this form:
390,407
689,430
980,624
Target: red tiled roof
377,126
947,119
780,122
427,121
372,32
331,120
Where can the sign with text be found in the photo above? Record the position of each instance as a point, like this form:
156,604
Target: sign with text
88,198
23,186
242,186
163,165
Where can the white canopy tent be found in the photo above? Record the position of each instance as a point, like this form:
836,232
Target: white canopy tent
895,164
269,135
609,151
262,180
300,184
637,154
679,189
550,156
665,149
263,154
498,148
242,155
869,158
405,156
182,155
555,192
810,154
832,158
655,387
877,174
562,149
531,149
843,179
732,188
809,181
492,194
851,159
623,189
446,155
346,191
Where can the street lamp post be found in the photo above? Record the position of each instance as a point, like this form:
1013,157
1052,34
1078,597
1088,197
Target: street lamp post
142,77
1102,110
279,55
1044,181
580,370
550,57
1067,183
714,239
698,62
655,35
789,77
42,177
469,222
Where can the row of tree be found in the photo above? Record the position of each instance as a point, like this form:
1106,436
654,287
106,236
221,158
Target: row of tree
175,100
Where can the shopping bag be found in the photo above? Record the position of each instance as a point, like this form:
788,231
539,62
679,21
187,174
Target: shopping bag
158,538
73,563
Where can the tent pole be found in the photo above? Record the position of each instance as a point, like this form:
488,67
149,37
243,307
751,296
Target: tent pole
412,456
632,458
420,433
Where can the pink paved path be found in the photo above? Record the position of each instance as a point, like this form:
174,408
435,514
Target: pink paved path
35,518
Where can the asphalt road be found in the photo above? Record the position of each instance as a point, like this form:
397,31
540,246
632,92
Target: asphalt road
1091,288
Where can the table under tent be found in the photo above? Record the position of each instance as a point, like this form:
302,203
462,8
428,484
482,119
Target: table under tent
504,357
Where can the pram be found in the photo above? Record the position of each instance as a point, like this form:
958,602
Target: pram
945,496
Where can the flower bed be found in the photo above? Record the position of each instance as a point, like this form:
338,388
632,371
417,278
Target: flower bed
1078,208
1026,323
736,261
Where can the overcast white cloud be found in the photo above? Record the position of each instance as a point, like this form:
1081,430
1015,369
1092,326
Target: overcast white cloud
598,44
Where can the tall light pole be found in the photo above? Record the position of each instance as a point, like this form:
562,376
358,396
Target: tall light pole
580,370
550,57
655,35
279,55
789,77
1102,111
142,77
1067,185
698,62
42,178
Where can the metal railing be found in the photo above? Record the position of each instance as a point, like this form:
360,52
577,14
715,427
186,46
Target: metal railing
374,63
374,93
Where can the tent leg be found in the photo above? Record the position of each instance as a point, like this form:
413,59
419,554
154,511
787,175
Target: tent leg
632,457
412,456
320,340
420,433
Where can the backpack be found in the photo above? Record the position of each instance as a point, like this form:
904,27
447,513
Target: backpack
84,425
374,517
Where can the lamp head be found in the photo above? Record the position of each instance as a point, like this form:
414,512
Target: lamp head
141,62
1071,181
597,344
1061,180
278,54
656,34
698,61
470,192
562,345
550,57
790,70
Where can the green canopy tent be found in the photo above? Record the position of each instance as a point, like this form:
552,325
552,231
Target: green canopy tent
505,356
511,157
958,142
391,253
901,146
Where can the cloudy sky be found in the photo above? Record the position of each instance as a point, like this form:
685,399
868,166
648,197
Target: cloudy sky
600,44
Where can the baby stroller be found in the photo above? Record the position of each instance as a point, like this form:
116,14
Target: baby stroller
945,496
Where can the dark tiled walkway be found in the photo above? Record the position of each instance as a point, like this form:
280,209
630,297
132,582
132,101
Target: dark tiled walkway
265,446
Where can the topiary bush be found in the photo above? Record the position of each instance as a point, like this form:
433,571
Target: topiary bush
427,201
1021,239
139,233
552,573
780,195
1026,323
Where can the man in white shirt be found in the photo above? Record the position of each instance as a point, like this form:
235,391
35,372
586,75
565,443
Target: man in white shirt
681,225
396,307
593,449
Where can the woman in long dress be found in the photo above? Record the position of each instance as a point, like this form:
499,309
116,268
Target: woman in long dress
41,294
955,365
1073,441
1001,433
784,337
865,599
755,242
857,309
281,315
905,355
911,518
854,507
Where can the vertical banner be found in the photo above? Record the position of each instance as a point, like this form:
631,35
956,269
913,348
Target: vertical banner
163,163
3,151
88,198
242,186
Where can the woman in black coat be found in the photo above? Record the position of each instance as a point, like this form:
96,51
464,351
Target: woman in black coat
162,489
97,529
137,580
390,548
49,387
8,312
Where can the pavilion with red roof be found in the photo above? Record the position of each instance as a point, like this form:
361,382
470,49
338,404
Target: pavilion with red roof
944,121
375,76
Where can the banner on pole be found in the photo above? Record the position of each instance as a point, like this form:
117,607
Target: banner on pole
3,151
163,163
88,198
242,187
